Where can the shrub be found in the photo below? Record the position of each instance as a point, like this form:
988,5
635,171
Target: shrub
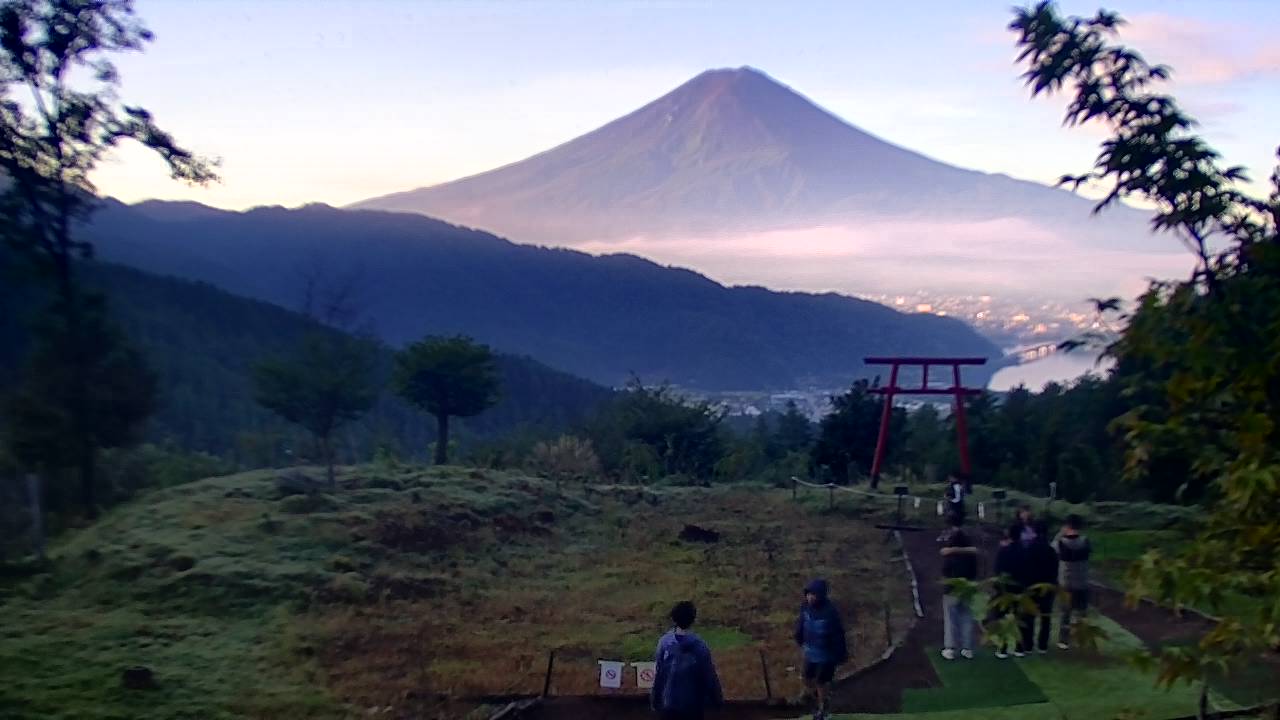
566,458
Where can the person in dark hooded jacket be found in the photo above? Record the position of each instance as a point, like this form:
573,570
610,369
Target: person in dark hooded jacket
1040,576
685,682
820,632
1009,573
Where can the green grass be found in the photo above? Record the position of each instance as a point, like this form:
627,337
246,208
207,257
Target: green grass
210,585
979,683
1082,686
640,646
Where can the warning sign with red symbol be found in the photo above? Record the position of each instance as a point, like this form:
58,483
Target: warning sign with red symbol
645,672
610,674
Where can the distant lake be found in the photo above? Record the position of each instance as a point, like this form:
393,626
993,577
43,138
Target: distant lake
1059,367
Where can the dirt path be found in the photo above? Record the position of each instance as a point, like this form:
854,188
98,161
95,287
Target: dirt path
879,689
587,708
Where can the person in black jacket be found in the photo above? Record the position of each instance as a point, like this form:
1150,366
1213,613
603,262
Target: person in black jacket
1008,572
1040,577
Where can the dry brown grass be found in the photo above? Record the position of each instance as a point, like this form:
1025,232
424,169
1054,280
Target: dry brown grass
597,584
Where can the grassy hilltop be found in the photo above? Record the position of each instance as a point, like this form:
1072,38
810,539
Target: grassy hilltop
407,585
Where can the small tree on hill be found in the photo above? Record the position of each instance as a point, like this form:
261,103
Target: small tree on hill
1200,353
325,384
59,116
447,377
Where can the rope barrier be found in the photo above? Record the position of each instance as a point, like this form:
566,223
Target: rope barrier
843,488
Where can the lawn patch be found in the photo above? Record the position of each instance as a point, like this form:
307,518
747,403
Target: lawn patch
978,683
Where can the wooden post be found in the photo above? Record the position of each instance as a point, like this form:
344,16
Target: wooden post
882,438
551,663
962,427
764,668
795,487
831,496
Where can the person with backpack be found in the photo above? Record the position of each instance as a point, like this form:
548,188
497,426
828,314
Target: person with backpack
1040,568
959,561
1008,572
820,633
1074,550
685,682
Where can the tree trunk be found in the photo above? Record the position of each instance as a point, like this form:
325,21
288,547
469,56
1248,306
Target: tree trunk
35,501
442,439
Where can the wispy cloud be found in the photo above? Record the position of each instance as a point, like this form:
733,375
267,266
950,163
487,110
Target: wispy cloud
1204,52
1004,256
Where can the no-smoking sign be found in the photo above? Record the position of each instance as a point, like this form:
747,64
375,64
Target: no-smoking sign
610,674
645,673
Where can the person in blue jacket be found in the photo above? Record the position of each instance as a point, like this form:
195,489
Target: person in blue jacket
820,633
685,683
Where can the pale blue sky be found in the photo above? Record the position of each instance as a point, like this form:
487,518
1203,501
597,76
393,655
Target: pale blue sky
334,101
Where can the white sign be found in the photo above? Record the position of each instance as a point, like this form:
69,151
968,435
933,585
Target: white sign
915,503
982,510
645,673
939,508
610,673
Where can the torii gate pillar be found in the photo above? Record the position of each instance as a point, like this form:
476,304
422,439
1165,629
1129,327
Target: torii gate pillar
957,390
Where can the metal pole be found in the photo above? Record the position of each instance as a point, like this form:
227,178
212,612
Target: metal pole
831,497
883,438
795,487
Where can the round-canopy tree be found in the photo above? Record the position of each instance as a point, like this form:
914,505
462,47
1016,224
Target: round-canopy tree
447,377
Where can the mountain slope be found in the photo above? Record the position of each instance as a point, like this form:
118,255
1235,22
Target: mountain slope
734,150
602,318
203,342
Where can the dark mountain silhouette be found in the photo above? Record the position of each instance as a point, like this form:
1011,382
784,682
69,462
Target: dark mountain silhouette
734,150
601,318
202,343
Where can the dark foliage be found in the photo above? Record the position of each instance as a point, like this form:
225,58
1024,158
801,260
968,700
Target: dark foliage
847,436
202,344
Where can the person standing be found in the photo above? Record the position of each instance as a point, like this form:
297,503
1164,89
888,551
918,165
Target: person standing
685,682
1074,550
955,496
1027,522
959,562
820,633
1008,573
1041,579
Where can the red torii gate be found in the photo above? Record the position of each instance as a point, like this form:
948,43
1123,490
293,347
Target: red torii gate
957,390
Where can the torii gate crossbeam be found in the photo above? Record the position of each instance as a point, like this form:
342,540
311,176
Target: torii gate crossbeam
957,390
